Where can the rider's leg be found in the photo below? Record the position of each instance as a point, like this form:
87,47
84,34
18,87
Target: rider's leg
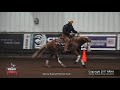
47,61
67,42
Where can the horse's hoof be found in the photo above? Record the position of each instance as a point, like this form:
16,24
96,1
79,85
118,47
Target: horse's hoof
64,66
84,66
75,62
47,66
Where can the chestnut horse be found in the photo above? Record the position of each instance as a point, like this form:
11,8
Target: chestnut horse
55,47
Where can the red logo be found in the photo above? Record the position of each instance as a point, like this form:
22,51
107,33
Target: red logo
11,70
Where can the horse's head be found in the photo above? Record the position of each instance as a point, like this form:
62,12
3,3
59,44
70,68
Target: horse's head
83,39
85,42
86,39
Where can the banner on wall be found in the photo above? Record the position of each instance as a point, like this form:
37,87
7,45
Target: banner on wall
11,41
118,42
39,40
98,41
102,42
27,42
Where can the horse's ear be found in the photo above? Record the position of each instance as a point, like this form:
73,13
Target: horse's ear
87,39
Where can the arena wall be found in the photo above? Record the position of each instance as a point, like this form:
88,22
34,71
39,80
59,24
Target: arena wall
54,21
18,29
27,43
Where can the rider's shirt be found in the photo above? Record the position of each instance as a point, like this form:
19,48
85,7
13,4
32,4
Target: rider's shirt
68,28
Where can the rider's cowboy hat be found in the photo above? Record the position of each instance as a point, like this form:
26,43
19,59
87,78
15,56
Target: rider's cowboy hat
71,21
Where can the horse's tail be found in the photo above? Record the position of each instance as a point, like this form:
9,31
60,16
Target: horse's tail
39,52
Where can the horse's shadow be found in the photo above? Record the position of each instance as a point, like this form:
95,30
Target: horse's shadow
64,67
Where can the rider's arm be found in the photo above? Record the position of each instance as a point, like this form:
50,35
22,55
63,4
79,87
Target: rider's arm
73,30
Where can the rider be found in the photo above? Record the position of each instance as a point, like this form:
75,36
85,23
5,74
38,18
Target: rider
67,29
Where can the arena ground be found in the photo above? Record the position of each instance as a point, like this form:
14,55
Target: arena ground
34,68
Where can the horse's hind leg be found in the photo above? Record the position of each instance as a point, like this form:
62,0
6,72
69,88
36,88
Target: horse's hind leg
59,61
40,53
47,61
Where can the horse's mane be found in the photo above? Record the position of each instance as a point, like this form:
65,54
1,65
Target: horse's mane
84,39
81,39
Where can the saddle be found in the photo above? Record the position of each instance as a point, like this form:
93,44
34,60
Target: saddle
60,42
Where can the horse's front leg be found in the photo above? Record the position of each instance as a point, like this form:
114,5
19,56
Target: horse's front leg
79,58
73,50
83,64
59,61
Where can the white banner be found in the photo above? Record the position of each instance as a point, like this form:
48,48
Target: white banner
26,43
118,42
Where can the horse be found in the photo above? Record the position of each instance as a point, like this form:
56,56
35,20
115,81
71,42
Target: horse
55,47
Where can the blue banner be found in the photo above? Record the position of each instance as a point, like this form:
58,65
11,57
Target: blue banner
98,41
11,41
103,42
